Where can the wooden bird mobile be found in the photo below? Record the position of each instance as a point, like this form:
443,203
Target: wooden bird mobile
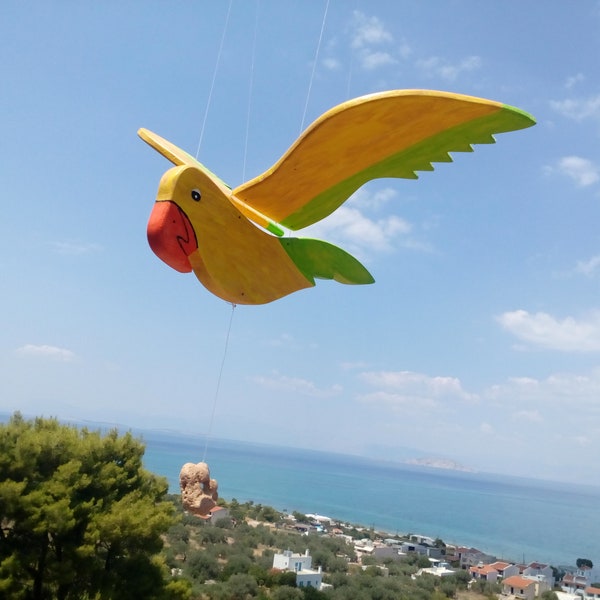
200,224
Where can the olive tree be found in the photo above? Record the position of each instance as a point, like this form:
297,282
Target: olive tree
79,515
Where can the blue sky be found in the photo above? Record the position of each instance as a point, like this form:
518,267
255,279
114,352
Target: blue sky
479,341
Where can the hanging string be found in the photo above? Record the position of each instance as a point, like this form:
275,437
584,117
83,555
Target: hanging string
351,66
250,90
314,67
214,77
214,406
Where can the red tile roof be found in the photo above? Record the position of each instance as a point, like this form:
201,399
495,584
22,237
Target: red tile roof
484,570
516,581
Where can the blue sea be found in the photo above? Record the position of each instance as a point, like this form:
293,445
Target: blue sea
513,518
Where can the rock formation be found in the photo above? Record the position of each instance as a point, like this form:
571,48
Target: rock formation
198,490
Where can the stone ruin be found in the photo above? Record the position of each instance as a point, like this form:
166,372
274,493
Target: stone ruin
198,491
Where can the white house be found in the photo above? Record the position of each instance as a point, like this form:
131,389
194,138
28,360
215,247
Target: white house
442,569
535,569
323,520
288,561
505,569
301,564
216,514
309,578
576,582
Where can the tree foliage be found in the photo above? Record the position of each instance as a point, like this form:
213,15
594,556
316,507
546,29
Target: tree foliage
79,515
222,570
584,562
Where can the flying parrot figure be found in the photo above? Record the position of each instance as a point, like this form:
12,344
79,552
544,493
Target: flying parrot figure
200,224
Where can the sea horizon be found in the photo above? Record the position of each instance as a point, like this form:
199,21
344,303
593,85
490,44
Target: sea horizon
513,518
510,517
200,439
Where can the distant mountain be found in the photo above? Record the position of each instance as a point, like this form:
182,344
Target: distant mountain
439,463
413,456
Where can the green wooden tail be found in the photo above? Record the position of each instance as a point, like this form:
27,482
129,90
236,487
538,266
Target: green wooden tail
322,260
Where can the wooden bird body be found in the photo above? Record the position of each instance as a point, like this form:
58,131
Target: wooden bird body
199,224
232,257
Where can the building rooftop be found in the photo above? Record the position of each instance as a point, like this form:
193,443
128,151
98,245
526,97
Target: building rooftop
518,581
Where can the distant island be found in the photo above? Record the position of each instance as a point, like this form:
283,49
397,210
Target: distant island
439,463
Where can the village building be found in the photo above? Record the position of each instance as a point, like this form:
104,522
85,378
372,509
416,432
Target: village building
289,561
309,578
471,557
519,587
592,593
539,570
216,514
422,550
484,573
527,587
576,582
440,569
387,552
505,569
301,564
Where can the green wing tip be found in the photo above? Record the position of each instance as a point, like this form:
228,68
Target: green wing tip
527,119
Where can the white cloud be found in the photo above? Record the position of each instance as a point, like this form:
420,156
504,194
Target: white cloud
414,394
581,170
359,234
572,395
365,197
578,109
374,60
332,64
368,35
409,384
438,67
283,383
363,235
574,80
44,351
369,31
588,267
544,330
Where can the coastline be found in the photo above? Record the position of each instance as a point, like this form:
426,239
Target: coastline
504,516
516,519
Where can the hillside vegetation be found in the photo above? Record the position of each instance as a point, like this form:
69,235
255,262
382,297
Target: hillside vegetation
233,559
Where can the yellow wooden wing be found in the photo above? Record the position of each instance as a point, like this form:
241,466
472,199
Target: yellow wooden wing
388,134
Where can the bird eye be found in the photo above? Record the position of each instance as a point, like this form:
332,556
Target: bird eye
196,195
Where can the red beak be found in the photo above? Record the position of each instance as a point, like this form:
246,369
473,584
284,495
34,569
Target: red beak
171,235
